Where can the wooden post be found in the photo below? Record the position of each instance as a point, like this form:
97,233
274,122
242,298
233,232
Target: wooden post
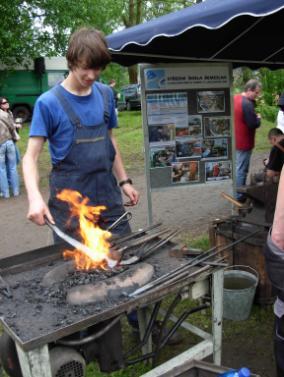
217,314
34,363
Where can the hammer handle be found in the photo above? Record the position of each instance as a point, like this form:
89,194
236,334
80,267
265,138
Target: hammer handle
231,199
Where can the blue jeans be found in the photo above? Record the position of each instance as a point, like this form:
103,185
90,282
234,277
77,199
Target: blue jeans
243,161
8,168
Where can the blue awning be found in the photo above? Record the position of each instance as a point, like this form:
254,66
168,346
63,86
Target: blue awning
244,32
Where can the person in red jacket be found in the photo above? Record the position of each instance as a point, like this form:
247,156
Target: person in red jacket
246,122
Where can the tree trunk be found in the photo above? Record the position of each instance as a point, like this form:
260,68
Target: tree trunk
132,72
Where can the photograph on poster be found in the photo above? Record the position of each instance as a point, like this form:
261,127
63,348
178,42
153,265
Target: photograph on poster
162,133
185,172
188,148
162,156
216,126
218,171
182,131
215,148
211,102
195,125
166,103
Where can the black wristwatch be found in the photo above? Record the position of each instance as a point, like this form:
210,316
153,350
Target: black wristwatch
125,181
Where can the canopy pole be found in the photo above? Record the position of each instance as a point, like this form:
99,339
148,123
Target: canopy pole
238,37
185,58
274,53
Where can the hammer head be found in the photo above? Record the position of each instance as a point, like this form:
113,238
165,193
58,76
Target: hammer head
246,209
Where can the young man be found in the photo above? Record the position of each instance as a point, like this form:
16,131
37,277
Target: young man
246,122
77,118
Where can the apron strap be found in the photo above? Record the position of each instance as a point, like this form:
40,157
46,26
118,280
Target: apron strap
66,106
105,93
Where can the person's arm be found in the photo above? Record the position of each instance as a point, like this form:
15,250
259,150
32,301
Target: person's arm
121,175
277,234
251,119
37,206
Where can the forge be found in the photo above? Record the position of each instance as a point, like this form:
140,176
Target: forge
47,303
51,299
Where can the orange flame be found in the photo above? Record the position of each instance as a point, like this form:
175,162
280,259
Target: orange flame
92,235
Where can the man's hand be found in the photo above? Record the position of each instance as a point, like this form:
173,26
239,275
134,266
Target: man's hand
38,210
131,193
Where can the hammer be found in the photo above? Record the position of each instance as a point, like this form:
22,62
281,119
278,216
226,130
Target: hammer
242,209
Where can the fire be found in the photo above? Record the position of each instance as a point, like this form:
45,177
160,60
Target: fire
95,238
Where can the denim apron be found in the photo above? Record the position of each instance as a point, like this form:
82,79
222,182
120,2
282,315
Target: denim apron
87,168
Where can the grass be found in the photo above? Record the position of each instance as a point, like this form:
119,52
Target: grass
261,142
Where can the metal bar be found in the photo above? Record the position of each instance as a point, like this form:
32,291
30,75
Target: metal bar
188,326
161,243
136,234
237,38
161,342
90,338
195,59
143,239
181,319
143,254
143,319
274,53
148,331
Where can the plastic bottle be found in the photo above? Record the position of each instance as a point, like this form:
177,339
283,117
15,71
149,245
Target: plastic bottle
243,372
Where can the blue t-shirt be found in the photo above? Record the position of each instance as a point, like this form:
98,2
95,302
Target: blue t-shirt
50,120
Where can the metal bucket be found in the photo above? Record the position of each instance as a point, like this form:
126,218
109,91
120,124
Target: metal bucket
239,291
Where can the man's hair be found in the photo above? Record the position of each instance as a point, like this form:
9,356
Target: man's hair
88,49
252,85
274,132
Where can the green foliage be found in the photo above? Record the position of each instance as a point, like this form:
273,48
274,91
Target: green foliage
117,72
272,84
268,112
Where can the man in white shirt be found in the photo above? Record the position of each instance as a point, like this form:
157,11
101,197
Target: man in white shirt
280,116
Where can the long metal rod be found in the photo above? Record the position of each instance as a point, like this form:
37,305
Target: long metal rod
136,234
161,243
144,239
179,272
142,255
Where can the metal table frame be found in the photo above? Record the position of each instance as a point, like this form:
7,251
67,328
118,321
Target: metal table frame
36,362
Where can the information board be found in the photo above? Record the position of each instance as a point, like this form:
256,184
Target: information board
187,123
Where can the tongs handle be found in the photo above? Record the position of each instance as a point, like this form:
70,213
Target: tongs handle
127,216
48,223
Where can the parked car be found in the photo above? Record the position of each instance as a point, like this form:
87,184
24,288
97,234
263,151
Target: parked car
130,97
